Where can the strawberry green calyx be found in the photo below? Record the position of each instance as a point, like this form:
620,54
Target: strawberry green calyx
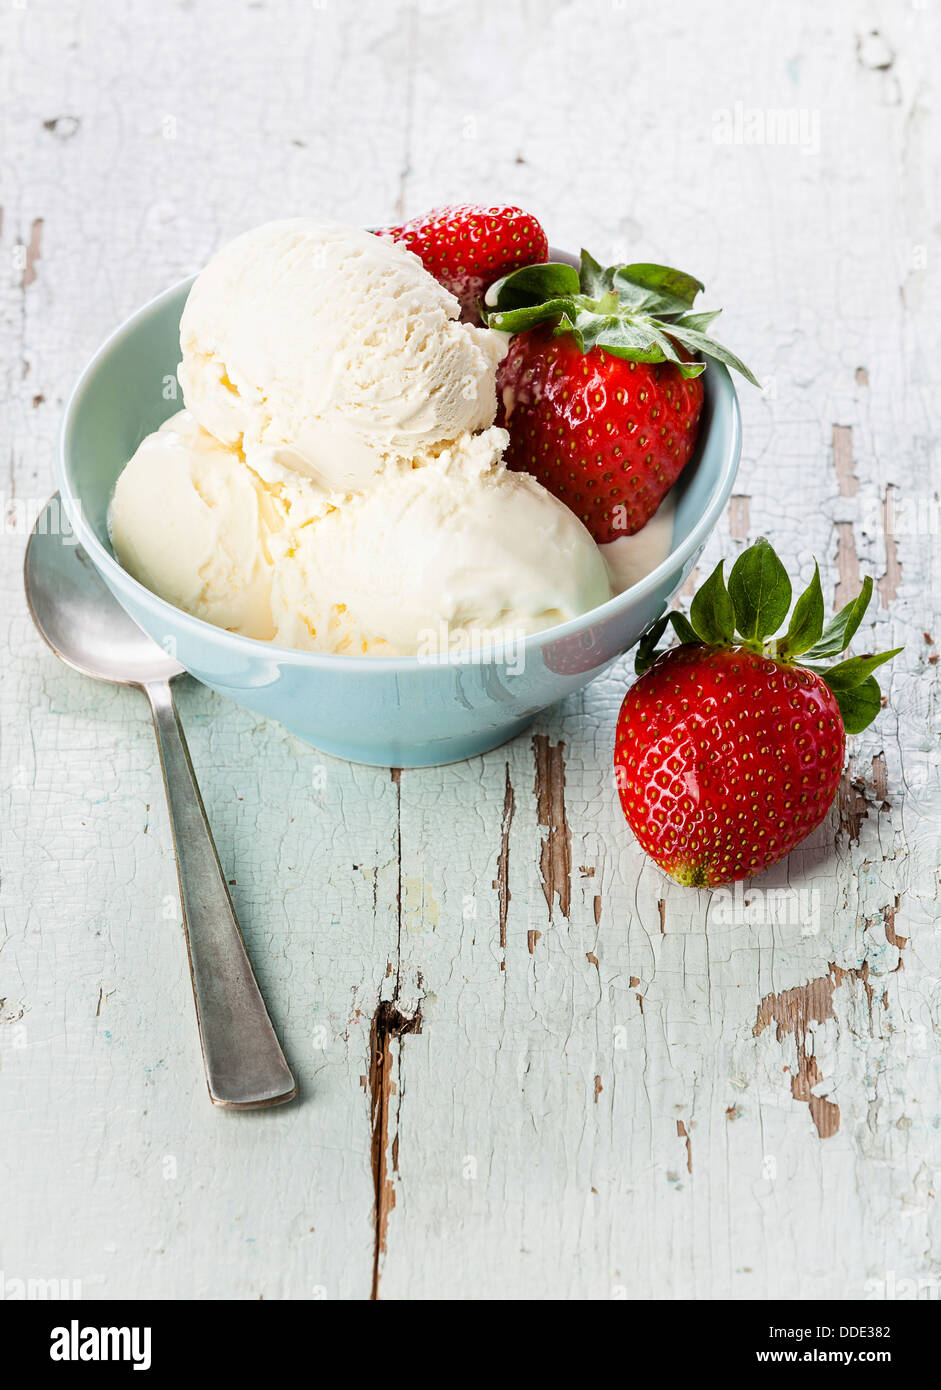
751,610
641,312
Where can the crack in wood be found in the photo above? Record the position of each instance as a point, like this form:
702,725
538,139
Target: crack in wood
389,1025
502,881
555,860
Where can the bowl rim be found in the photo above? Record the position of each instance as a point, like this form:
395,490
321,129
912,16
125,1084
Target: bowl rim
162,609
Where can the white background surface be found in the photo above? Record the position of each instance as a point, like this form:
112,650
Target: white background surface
635,1095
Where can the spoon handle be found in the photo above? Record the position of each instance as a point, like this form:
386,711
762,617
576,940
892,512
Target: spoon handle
245,1067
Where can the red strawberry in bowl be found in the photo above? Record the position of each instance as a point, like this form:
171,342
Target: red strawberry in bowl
600,391
467,247
729,748
569,656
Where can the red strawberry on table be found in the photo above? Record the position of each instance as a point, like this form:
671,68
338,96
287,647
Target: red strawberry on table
729,748
468,246
599,390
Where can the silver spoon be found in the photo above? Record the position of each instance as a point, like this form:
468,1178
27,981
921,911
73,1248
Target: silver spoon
85,626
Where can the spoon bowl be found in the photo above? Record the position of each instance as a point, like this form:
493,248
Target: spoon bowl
77,615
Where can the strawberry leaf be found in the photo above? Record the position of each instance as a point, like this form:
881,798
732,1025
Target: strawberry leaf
615,335
711,612
533,285
806,623
683,629
839,631
852,672
860,705
518,320
655,288
637,312
760,592
700,322
757,601
620,333
698,342
594,280
647,648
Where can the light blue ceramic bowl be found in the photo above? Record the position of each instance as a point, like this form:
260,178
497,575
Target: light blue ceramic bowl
400,712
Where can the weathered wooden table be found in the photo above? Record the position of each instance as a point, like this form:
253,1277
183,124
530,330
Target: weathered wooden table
530,1066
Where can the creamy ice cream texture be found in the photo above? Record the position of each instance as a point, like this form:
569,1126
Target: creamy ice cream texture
335,482
461,541
331,351
191,522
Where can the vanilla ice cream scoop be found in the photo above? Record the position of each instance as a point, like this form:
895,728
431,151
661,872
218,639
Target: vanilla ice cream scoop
192,522
458,553
435,559
328,350
336,483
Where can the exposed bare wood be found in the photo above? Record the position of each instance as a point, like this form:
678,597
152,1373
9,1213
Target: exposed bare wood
555,860
888,584
891,936
847,481
852,806
847,565
33,253
389,1026
683,1133
739,517
794,1011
